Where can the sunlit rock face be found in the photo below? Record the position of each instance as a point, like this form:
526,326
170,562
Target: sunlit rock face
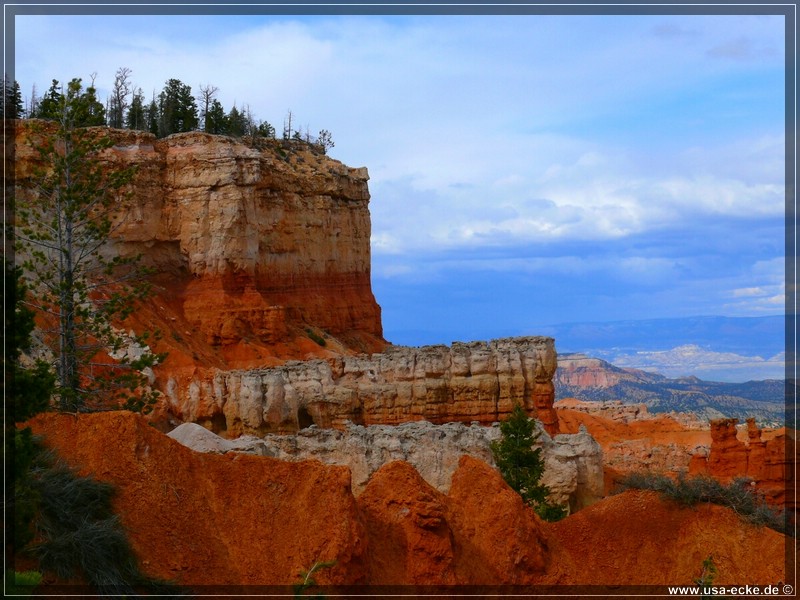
767,460
465,382
253,240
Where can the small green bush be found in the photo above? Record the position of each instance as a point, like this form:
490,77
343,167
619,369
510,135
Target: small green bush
302,589
21,584
316,338
738,496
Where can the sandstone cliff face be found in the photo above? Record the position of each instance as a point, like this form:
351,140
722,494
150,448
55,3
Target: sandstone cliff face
573,463
581,371
254,243
465,382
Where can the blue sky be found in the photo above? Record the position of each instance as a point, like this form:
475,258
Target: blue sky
524,171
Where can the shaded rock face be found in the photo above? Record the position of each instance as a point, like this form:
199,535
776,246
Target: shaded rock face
573,463
204,519
769,463
478,381
417,535
253,241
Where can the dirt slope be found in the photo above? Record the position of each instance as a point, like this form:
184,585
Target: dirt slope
235,519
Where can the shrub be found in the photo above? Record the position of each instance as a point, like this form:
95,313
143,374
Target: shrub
739,496
21,584
316,338
77,533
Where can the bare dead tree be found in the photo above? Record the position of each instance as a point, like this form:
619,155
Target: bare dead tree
118,102
287,126
207,95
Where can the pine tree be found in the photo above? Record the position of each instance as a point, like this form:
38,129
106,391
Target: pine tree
216,120
325,141
118,102
63,227
135,119
31,386
522,465
48,106
266,130
177,108
86,109
152,117
237,124
27,393
12,105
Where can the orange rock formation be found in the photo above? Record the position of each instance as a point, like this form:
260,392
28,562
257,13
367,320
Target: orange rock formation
254,244
632,439
768,462
263,255
201,519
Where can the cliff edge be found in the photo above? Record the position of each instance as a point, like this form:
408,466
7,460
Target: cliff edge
260,247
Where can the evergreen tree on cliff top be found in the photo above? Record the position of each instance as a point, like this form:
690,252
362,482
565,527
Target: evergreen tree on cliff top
177,108
522,465
76,281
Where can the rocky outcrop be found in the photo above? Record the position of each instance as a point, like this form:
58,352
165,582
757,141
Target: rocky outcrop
233,520
573,463
633,439
254,241
616,410
578,371
419,536
477,381
768,462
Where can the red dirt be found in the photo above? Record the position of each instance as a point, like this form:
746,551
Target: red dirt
660,430
638,538
238,519
211,519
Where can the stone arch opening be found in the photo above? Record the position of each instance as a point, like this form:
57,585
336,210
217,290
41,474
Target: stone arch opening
304,419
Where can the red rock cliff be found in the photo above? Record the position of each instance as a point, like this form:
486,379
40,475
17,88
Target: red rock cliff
253,243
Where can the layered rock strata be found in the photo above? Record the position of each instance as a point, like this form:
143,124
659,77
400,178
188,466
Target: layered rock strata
253,240
573,463
477,381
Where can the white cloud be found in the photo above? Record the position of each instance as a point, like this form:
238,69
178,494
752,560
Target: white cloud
749,292
489,132
706,364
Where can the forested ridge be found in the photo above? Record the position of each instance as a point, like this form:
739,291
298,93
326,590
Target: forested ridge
174,109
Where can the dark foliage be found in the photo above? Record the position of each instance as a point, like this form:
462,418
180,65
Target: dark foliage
78,534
